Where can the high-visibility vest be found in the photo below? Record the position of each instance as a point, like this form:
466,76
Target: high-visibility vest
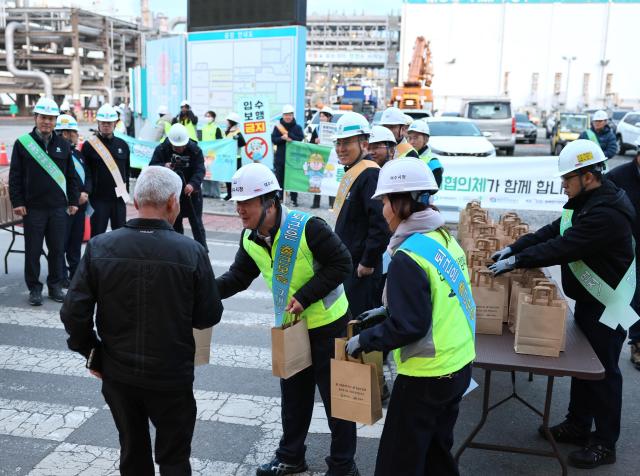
191,129
449,345
320,313
428,158
209,131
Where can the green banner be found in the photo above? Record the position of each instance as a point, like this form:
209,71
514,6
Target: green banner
311,168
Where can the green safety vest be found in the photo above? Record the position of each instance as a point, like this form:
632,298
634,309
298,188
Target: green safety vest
592,136
320,313
209,131
449,345
191,129
432,162
166,126
617,301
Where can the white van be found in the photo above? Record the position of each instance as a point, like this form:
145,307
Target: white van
494,119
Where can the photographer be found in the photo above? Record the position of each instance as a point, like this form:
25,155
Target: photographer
184,157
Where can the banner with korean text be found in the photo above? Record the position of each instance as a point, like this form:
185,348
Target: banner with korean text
256,130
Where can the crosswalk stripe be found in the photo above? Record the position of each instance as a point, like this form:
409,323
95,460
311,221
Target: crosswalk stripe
49,421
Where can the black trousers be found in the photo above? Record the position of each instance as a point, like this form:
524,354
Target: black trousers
191,208
298,393
279,172
599,401
173,413
418,430
228,184
40,225
73,242
363,293
105,211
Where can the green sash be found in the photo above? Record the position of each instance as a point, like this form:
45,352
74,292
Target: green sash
44,161
592,136
617,301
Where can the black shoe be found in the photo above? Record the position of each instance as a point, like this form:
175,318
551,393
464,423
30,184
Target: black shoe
316,201
35,297
567,432
592,456
352,472
56,294
66,283
294,203
277,468
227,197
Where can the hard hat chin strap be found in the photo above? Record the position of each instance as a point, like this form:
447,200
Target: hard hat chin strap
266,204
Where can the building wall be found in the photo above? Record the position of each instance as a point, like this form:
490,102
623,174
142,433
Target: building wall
474,44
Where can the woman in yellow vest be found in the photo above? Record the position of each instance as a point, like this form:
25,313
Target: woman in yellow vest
428,322
188,119
211,130
233,132
314,293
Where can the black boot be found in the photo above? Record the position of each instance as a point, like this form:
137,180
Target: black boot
592,456
227,197
279,468
56,294
35,297
316,201
567,432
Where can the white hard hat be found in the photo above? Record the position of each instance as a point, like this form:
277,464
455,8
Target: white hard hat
578,154
327,110
118,109
405,175
392,116
162,110
65,122
178,135
381,134
408,119
46,107
351,124
184,103
419,126
288,109
106,113
234,117
600,115
65,106
122,106
253,180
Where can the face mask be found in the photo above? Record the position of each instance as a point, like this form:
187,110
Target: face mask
209,119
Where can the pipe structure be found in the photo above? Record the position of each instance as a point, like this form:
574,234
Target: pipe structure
175,21
107,90
11,64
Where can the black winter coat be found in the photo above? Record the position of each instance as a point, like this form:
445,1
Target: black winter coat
151,286
294,132
194,174
31,186
360,225
607,140
103,184
600,235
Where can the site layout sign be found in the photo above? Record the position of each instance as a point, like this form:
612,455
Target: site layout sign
256,130
166,65
225,66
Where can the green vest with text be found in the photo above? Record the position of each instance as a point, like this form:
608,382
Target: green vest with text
449,344
320,313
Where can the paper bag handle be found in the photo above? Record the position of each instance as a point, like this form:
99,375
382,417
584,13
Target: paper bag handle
350,326
484,275
538,291
482,244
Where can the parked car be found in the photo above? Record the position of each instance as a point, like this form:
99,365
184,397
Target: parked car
616,117
567,128
628,131
526,131
493,116
450,114
457,136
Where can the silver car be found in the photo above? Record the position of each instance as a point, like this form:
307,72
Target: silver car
494,118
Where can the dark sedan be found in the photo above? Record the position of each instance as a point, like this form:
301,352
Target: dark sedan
526,131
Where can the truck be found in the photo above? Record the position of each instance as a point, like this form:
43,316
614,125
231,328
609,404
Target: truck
416,92
356,98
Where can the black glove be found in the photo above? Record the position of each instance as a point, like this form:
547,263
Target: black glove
502,254
503,266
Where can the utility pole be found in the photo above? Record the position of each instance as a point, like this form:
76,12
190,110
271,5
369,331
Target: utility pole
569,60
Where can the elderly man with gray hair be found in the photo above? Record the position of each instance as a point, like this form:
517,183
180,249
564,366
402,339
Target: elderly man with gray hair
149,286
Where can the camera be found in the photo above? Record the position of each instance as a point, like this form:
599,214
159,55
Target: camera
179,162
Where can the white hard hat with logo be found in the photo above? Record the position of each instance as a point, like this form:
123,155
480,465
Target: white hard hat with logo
46,107
381,134
393,116
65,122
106,113
600,115
253,180
351,124
64,107
288,109
234,117
184,103
162,110
327,110
579,154
178,135
405,175
420,126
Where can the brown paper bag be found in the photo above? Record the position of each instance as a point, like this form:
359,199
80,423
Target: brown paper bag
202,337
290,349
521,284
489,299
541,323
6,208
355,390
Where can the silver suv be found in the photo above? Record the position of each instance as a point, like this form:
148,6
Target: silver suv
494,119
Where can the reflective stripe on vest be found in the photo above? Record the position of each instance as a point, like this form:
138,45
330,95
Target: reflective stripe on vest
44,161
449,344
403,149
320,313
617,301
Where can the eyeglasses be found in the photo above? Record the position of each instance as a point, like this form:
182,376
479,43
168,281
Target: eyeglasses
568,177
345,142
378,146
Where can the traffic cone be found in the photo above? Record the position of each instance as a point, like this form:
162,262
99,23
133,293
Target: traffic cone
4,159
87,229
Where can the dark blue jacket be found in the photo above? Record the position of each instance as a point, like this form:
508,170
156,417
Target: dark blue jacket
607,140
294,132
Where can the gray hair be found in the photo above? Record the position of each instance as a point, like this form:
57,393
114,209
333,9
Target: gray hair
155,185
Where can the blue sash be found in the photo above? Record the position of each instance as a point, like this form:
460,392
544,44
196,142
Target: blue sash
447,266
79,168
434,163
285,259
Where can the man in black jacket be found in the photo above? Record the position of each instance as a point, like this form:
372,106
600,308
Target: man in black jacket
108,159
313,292
43,189
287,130
360,224
627,177
183,155
151,286
593,244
